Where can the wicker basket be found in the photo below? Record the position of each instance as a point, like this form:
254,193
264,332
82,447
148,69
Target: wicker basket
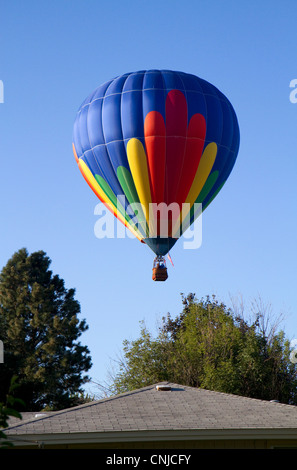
159,274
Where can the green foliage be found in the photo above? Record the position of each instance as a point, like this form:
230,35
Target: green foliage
7,409
144,363
208,346
39,327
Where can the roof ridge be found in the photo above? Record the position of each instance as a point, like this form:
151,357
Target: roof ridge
84,405
242,397
119,396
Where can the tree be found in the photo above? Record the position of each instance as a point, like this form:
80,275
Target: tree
211,347
143,364
7,409
39,327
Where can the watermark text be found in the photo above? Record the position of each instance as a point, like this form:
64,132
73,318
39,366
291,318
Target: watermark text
155,220
1,91
293,94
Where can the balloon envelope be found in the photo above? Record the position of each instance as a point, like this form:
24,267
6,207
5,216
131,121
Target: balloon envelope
156,147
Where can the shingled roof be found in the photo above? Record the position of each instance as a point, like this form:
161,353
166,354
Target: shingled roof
159,413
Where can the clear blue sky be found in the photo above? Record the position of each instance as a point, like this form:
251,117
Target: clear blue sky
52,55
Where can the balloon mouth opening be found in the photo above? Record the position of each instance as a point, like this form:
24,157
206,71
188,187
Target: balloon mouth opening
159,245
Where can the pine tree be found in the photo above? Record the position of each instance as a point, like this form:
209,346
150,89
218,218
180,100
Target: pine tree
39,327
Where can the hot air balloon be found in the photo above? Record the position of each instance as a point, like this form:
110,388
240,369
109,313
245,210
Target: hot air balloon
153,145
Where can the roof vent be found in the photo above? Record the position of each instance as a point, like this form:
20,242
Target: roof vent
163,388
